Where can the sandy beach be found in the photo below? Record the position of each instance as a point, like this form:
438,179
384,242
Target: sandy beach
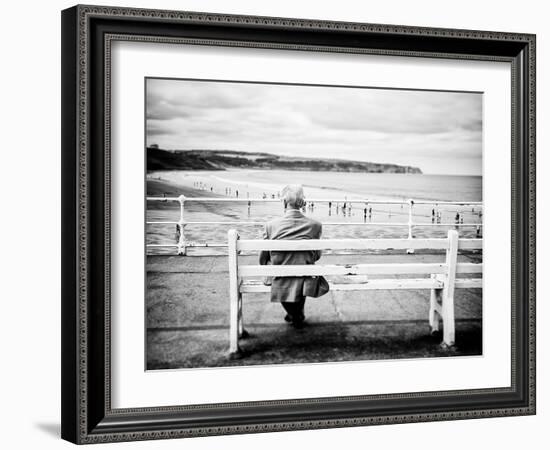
259,183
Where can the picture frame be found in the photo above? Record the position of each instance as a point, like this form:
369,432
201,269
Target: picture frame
87,35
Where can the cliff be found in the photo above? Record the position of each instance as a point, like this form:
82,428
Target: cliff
158,159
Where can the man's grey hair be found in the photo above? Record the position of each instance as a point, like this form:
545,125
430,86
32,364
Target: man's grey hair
293,195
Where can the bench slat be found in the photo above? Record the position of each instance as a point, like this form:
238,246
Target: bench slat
356,244
386,284
420,283
352,269
342,244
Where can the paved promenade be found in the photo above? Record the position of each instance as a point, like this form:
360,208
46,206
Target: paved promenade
188,318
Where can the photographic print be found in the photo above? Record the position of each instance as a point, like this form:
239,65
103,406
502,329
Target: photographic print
370,202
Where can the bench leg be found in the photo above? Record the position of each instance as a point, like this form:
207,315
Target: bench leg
434,316
448,316
234,294
234,349
243,334
448,303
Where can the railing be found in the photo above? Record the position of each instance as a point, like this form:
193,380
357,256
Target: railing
182,245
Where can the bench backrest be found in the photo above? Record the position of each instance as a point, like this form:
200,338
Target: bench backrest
451,245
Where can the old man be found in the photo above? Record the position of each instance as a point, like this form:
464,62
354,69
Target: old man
293,225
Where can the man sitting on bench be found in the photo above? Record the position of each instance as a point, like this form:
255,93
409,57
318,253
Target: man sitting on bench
293,225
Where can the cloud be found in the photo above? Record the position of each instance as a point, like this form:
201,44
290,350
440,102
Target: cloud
441,131
417,112
168,99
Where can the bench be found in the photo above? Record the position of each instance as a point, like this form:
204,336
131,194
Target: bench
439,278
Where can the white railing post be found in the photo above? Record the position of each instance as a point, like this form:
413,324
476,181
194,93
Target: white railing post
410,223
182,249
447,302
234,294
181,200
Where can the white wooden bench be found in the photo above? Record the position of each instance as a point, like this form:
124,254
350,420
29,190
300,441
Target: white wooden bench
440,278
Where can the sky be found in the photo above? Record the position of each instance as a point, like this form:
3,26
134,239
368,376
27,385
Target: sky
439,132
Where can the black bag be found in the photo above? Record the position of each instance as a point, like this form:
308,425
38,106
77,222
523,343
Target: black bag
315,286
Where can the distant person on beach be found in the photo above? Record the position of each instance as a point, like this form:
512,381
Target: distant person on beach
293,225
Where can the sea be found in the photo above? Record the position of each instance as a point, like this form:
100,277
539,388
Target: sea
348,215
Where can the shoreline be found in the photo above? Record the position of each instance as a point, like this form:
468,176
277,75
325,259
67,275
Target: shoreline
251,189
258,184
220,186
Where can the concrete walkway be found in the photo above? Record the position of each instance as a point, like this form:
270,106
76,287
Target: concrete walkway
188,318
